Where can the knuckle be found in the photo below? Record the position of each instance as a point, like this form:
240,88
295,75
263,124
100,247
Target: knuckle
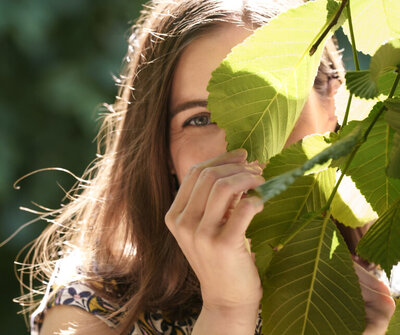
209,174
251,205
195,170
223,185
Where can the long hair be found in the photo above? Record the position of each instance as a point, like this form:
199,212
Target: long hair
113,227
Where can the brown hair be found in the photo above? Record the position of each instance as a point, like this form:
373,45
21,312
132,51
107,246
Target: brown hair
114,220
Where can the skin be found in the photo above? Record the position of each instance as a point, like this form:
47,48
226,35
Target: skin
209,216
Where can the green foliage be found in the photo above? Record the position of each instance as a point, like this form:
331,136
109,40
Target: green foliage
310,286
368,168
380,244
392,117
308,193
374,23
381,74
394,325
277,185
392,10
379,79
259,90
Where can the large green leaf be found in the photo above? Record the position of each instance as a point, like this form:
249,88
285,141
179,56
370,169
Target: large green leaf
380,245
310,286
259,90
372,24
381,74
367,169
278,184
394,325
392,117
308,193
392,10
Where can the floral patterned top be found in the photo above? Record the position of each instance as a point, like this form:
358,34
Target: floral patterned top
81,295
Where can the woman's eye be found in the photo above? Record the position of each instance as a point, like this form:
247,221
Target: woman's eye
198,121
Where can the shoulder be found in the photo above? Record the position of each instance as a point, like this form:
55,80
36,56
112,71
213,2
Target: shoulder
64,319
76,309
74,303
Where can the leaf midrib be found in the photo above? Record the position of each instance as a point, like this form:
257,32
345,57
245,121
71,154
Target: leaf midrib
314,274
282,85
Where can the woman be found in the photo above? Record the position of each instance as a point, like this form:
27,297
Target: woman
160,225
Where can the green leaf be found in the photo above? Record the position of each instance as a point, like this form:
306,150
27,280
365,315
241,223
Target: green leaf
278,184
394,324
361,84
367,169
392,10
310,286
258,92
308,193
380,245
392,117
393,168
368,35
379,78
349,206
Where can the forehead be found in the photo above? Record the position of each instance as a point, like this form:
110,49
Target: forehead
199,59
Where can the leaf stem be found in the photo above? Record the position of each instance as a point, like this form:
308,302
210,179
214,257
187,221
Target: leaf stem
328,28
353,41
346,115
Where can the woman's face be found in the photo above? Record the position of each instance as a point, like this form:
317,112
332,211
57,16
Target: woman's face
193,138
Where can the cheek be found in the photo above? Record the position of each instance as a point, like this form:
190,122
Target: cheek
187,150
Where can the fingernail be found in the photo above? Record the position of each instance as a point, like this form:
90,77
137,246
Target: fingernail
256,169
240,152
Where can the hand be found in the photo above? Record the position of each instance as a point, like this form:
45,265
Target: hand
379,305
209,218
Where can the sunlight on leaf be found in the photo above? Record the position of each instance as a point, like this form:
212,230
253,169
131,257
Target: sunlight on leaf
368,35
259,90
392,10
334,244
349,206
278,184
367,169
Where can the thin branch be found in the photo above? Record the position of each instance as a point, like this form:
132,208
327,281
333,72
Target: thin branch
328,28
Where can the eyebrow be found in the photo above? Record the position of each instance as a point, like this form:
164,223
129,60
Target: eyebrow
187,105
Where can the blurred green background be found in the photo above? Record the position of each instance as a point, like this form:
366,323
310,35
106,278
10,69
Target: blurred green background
57,59
56,64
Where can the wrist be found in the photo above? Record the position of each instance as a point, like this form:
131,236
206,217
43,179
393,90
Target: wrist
221,320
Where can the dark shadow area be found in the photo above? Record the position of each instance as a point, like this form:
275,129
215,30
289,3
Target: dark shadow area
57,59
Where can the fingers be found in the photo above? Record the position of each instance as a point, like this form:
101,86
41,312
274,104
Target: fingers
222,195
235,228
379,304
189,181
216,186
370,285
